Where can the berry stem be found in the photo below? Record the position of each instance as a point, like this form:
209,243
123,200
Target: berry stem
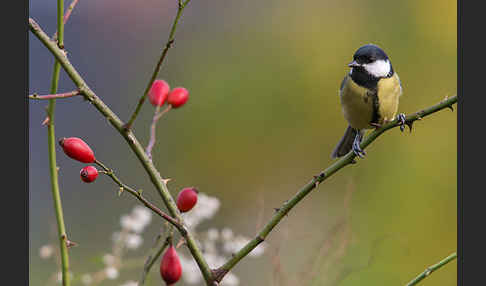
156,118
155,257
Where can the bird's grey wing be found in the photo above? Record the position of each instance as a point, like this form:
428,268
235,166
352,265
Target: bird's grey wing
342,83
400,83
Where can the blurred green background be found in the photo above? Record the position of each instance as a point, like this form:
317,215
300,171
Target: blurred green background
262,119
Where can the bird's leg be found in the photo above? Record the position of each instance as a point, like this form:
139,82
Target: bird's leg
401,121
356,148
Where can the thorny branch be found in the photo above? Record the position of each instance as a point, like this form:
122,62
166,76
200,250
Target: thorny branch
314,183
432,268
56,196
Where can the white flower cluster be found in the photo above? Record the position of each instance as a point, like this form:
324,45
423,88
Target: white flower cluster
232,243
205,208
133,224
216,245
137,220
111,272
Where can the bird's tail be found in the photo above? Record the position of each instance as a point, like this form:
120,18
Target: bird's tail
345,144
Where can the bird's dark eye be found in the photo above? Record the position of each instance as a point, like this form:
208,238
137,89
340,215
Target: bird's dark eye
366,60
363,59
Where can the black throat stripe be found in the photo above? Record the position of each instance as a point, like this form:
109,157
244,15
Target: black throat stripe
375,118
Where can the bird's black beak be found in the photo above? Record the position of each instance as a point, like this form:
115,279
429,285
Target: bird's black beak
353,64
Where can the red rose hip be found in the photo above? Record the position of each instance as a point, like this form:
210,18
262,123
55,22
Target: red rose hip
178,97
88,174
158,92
187,199
77,149
170,266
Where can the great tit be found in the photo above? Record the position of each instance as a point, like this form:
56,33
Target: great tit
369,97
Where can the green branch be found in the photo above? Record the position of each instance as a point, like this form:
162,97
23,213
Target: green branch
51,143
132,141
432,268
168,44
344,161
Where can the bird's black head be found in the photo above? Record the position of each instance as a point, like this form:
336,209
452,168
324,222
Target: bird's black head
369,53
370,63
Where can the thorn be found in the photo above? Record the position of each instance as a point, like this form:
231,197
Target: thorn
410,124
320,177
57,168
166,180
147,261
70,244
126,127
139,192
46,121
278,209
180,243
451,108
120,191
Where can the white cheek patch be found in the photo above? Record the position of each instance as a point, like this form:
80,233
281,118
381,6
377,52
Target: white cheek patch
379,68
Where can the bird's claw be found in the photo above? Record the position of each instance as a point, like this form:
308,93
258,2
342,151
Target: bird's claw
401,121
357,149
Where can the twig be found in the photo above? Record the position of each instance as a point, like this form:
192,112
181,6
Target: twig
61,228
109,172
432,268
344,161
156,118
55,96
66,16
168,45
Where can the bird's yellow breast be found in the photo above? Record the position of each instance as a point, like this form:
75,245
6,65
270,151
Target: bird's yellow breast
358,102
389,91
